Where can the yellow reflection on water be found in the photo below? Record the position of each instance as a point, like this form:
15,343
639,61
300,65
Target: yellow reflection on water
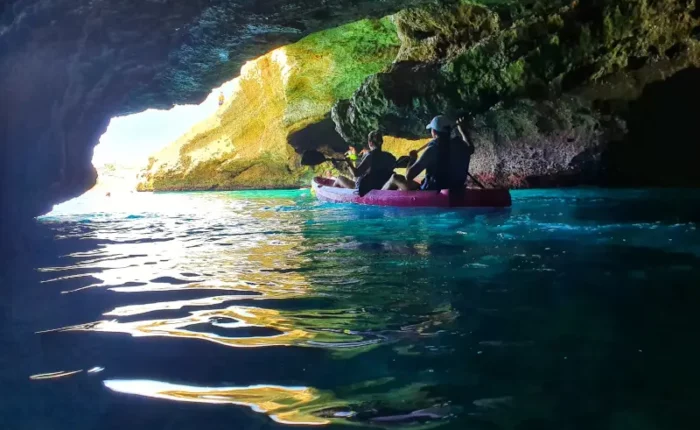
199,242
219,252
293,330
286,405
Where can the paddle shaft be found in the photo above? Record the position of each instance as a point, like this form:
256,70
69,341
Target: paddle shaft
475,180
423,147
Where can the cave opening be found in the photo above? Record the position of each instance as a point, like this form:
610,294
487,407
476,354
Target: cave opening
661,147
124,149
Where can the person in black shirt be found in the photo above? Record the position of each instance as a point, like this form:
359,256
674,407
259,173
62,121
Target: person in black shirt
445,161
373,171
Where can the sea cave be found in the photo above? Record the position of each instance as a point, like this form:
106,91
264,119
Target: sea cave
165,263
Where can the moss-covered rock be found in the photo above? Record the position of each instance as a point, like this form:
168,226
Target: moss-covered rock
443,30
516,68
248,143
548,84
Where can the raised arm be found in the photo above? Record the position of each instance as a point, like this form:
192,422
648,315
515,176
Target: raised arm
462,129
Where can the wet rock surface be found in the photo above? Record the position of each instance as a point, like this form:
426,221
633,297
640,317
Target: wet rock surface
549,88
69,66
279,107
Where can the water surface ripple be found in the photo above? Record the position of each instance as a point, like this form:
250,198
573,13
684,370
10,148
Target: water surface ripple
574,309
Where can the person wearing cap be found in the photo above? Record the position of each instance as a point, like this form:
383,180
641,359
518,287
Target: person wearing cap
373,171
445,161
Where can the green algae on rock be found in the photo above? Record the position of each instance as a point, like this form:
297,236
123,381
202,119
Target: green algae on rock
547,84
441,30
514,64
248,144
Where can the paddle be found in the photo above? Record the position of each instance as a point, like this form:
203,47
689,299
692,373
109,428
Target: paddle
476,181
404,161
313,158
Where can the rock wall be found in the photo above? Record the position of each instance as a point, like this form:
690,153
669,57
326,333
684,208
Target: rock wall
549,87
280,107
68,66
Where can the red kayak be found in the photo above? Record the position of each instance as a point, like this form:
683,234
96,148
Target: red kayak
471,198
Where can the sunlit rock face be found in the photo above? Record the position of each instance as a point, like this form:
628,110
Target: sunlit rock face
280,106
551,88
68,66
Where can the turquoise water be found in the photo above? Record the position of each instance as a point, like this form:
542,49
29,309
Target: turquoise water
575,309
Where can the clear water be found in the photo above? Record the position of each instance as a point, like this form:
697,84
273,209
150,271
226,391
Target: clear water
576,309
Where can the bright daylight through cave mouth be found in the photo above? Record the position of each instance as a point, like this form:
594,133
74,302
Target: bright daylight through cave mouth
122,155
383,214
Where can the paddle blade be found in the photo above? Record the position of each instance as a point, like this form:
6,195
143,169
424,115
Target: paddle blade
312,158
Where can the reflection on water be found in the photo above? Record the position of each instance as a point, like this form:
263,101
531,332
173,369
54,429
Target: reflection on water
563,310
285,331
54,375
286,405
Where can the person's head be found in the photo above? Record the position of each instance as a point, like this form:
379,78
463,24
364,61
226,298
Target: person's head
440,127
375,140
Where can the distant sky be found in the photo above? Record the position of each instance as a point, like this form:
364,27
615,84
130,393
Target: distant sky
130,140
